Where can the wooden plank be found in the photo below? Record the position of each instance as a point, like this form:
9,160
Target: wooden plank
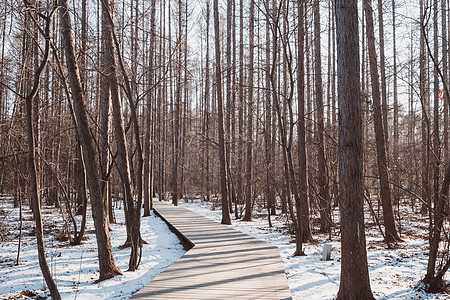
223,264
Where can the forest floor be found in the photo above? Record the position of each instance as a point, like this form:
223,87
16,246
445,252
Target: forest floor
75,268
394,273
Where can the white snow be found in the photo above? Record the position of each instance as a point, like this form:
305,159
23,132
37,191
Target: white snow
394,274
75,268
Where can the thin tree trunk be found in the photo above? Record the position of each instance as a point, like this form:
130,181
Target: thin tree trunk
396,191
226,219
240,178
384,100
148,178
34,184
303,204
389,222
107,265
425,125
248,172
205,162
133,211
436,137
270,193
324,198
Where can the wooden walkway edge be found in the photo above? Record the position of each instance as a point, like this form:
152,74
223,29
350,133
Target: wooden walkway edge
223,264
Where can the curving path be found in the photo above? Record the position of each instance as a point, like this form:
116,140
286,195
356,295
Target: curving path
222,264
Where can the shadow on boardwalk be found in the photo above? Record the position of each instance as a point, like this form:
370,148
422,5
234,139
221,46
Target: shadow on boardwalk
222,264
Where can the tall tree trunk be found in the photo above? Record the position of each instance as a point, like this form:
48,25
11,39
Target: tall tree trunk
105,120
355,283
107,265
270,192
177,111
226,219
286,136
240,179
162,110
133,211
425,126
230,108
205,162
445,73
248,172
324,198
389,222
34,184
436,138
384,100
395,154
303,204
148,166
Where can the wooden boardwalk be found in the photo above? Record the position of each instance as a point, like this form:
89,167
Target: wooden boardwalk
223,264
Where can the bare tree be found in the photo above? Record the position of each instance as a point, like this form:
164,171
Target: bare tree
324,201
248,172
148,143
34,184
383,84
385,192
303,204
226,219
355,283
108,268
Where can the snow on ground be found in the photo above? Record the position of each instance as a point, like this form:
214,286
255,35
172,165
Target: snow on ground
394,274
75,268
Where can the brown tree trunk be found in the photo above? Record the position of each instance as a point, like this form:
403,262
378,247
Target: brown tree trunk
286,134
132,211
229,102
205,183
177,112
105,119
34,184
384,100
324,201
107,265
248,172
355,283
148,168
389,222
395,153
303,204
425,126
436,137
240,178
270,192
226,219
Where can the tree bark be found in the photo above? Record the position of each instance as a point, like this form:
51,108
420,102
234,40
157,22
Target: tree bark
132,211
324,198
270,192
389,222
355,283
384,100
108,268
248,172
148,166
34,184
226,219
395,152
436,137
303,204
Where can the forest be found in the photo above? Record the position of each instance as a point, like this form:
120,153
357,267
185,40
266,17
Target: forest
328,119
